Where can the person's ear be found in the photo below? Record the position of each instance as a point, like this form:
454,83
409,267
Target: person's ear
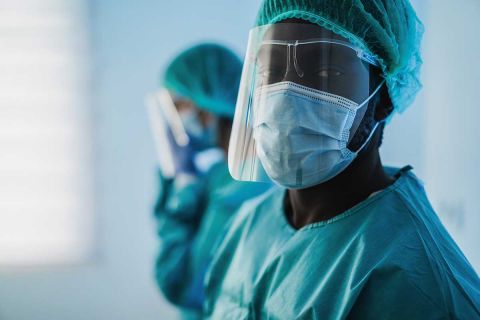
384,106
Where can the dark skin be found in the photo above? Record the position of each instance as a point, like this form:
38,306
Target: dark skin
356,183
224,130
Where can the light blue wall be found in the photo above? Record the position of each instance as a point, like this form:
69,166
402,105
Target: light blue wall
452,135
132,41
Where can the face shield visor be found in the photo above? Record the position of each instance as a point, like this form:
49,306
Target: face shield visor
304,60
178,126
167,128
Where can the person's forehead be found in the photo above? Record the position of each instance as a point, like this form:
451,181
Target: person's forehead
299,31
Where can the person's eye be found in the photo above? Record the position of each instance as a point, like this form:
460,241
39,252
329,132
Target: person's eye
326,73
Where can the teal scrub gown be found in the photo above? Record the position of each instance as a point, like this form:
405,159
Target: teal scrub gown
389,257
191,219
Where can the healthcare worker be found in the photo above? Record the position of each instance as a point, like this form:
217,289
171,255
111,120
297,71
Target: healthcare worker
341,236
196,202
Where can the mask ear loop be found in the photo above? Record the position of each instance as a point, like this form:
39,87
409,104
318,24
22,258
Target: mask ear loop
368,139
372,95
376,124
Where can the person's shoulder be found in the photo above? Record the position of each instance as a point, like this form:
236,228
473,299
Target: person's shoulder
411,189
407,199
426,255
413,206
410,212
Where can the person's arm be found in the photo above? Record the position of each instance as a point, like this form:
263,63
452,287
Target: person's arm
178,211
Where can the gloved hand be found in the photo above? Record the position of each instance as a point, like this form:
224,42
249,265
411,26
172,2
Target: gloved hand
182,155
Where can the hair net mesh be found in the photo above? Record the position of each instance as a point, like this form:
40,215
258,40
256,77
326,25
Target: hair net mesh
207,74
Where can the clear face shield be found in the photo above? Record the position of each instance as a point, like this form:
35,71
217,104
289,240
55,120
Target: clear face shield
165,120
178,127
297,73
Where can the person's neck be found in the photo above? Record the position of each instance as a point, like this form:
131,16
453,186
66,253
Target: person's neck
363,177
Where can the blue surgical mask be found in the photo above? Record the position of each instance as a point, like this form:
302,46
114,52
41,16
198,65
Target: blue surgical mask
201,137
302,134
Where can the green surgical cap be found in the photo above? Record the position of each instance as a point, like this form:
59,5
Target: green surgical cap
208,75
388,29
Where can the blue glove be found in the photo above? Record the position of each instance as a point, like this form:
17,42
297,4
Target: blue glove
182,155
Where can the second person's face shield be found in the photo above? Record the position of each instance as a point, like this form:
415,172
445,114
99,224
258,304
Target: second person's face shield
180,130
303,58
